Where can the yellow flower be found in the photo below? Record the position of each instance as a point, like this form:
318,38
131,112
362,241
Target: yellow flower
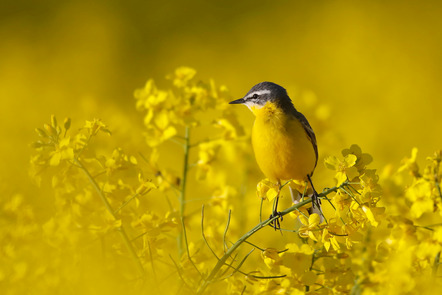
411,164
230,131
298,263
345,169
182,76
329,240
155,136
206,156
363,159
145,186
419,193
63,151
294,248
342,202
271,257
437,236
373,214
95,126
311,227
267,189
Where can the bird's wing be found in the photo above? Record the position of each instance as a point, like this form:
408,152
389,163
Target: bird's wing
309,130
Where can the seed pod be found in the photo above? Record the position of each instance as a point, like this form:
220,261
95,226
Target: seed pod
37,144
51,130
41,132
53,121
67,123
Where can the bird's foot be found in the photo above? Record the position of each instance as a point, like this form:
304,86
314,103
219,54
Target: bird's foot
276,224
316,201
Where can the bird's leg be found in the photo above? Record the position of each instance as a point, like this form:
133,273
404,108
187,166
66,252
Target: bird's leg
277,224
315,197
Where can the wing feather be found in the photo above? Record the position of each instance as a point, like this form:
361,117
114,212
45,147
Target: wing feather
310,134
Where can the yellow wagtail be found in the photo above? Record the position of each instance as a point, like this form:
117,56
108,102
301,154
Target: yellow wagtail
283,141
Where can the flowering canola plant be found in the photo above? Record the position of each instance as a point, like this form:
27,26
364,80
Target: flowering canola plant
181,215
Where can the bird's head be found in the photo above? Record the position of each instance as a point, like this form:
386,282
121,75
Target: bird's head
262,93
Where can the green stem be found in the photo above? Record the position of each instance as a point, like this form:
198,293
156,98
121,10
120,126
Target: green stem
436,264
223,259
120,229
229,252
183,189
438,187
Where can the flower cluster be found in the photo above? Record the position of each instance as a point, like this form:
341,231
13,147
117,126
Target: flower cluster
190,103
181,216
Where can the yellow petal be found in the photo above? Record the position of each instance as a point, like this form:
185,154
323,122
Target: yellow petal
67,154
327,245
64,142
314,220
303,219
352,172
307,249
331,162
341,177
370,216
169,132
335,243
133,160
350,160
162,120
312,236
271,194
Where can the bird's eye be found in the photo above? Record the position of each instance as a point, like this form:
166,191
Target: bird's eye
255,95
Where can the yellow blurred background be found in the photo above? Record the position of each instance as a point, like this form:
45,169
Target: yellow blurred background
376,66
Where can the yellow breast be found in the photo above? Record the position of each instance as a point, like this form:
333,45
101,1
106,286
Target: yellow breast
282,148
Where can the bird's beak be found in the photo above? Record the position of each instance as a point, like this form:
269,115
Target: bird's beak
238,101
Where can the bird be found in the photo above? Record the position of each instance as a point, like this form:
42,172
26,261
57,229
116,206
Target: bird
283,141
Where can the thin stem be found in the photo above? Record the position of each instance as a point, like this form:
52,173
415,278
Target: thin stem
229,265
305,191
236,269
253,245
187,247
152,264
204,235
183,188
260,210
229,252
242,262
127,202
281,186
431,225
120,229
225,231
179,272
261,225
333,206
439,189
436,180
351,195
436,264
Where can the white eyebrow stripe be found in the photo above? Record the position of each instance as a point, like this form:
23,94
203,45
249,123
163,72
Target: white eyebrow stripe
259,92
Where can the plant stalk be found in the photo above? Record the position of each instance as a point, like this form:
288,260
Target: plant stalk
120,229
183,190
258,227
229,252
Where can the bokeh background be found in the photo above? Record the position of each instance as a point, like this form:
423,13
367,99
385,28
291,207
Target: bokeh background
375,65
